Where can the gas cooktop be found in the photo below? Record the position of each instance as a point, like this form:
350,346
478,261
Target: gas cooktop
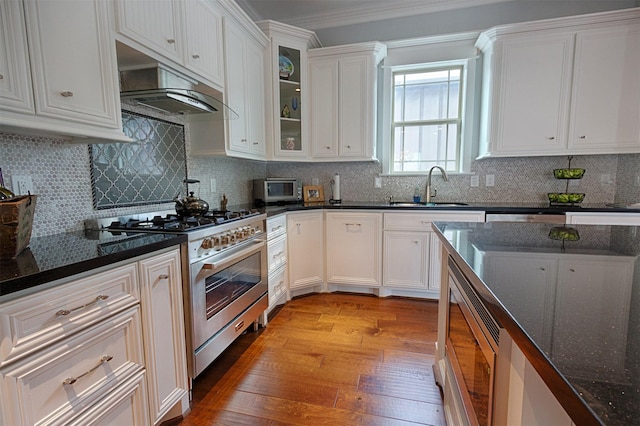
167,221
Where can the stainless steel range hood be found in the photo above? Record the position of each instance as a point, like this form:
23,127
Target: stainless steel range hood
164,90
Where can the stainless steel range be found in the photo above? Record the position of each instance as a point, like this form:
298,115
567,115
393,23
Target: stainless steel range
225,285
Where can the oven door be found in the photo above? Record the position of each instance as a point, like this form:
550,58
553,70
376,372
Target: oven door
472,358
223,286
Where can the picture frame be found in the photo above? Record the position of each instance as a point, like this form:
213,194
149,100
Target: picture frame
313,193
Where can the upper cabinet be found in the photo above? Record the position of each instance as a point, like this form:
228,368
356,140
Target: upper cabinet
343,87
188,33
562,86
65,80
245,89
288,112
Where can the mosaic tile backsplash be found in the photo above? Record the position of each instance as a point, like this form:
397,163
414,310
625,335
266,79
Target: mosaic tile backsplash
61,177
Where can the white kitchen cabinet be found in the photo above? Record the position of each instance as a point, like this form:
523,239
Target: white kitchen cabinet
155,25
164,334
530,95
343,86
600,218
72,67
412,252
354,248
305,241
185,34
287,128
16,93
406,259
605,106
245,90
102,348
561,86
56,384
203,51
277,253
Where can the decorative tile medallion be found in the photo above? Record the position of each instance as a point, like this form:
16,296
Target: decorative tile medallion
151,169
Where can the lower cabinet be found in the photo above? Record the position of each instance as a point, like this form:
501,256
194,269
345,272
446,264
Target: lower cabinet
305,240
104,349
354,248
163,333
277,260
412,251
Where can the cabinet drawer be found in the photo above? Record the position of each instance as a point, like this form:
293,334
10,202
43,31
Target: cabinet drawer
278,284
277,253
46,317
126,405
422,221
276,226
54,385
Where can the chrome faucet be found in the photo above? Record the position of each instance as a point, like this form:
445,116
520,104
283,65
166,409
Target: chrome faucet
435,192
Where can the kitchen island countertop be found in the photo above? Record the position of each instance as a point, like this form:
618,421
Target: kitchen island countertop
579,325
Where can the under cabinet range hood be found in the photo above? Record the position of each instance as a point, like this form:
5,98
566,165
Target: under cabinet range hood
164,90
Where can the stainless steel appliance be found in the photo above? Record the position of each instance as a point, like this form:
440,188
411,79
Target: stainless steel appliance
471,347
225,283
277,191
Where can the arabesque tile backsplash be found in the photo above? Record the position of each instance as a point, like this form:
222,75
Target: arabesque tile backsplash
60,172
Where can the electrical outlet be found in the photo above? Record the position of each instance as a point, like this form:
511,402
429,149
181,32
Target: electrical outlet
490,180
214,185
22,185
605,179
377,183
475,181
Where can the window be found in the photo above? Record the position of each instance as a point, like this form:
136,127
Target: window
426,125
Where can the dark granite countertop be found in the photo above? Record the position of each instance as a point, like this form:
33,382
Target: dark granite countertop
572,305
56,257
512,208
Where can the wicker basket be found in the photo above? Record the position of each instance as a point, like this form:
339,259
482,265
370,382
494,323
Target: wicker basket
16,220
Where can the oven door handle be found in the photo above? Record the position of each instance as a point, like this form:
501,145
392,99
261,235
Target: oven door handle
256,246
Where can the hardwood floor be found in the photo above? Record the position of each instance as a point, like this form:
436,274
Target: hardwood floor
327,359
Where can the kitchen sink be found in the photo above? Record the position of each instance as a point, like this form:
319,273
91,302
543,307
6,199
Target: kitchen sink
422,204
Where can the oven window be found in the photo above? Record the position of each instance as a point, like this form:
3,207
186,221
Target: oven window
227,285
475,368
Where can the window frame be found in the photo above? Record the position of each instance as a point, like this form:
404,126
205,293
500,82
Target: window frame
469,82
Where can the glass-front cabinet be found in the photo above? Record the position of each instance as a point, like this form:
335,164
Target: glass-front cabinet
287,120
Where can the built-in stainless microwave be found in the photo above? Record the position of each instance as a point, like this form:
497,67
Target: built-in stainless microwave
277,191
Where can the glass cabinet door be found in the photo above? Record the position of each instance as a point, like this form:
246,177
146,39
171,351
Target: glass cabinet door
289,92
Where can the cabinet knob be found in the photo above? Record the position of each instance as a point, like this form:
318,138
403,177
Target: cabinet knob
256,143
348,146
171,40
164,277
67,94
583,137
572,270
243,140
328,147
1,77
551,137
543,269
195,56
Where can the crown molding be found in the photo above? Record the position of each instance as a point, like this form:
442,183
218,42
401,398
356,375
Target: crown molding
381,11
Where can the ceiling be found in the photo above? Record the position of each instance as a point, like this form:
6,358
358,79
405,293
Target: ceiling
320,14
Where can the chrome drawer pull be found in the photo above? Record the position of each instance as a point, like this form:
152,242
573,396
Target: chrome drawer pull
72,380
67,94
65,312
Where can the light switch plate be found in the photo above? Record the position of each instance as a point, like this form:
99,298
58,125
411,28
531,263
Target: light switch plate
475,181
377,182
490,180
